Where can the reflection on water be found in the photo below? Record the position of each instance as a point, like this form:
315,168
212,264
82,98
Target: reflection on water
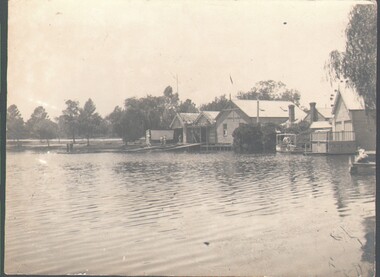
187,214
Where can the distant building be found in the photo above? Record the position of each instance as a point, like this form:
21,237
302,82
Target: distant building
350,116
319,118
195,127
205,125
318,113
351,127
252,111
182,124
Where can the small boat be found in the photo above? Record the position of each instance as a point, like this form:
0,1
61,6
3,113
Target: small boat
287,143
358,166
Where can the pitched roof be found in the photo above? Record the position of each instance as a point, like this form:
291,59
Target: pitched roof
210,116
352,100
320,125
326,112
184,118
188,118
269,108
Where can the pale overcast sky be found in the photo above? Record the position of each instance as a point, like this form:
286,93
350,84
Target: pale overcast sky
112,50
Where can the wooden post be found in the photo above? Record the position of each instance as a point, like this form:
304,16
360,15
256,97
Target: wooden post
184,133
258,111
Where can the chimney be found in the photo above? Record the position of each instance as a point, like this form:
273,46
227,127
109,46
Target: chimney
291,114
313,112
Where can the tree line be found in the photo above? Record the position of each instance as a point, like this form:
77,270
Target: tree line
130,121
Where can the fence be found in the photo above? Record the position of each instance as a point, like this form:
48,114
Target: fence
333,136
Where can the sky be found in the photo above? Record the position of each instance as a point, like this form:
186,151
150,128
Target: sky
112,50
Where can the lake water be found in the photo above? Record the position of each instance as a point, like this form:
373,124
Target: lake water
187,214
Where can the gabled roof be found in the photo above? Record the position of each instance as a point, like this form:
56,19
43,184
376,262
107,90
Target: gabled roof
210,115
185,118
326,112
268,108
351,99
188,118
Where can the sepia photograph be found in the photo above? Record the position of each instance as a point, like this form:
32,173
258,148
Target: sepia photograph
191,138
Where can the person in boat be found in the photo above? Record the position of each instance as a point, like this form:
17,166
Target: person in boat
362,156
286,140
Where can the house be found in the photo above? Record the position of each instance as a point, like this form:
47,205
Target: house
182,124
195,127
350,116
205,126
351,127
318,114
252,111
320,118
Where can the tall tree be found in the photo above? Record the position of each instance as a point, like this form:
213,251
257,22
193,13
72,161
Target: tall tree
271,90
89,120
62,127
40,126
38,115
187,107
218,104
171,102
356,66
46,129
71,118
115,120
15,124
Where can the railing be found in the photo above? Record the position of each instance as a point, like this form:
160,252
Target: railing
342,136
333,136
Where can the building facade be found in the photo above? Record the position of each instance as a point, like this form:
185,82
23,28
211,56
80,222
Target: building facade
350,116
252,111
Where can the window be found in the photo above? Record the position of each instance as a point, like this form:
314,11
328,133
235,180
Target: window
225,129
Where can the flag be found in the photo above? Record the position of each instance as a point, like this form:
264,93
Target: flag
231,80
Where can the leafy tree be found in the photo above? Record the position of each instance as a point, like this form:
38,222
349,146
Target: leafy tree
89,120
45,129
187,107
298,128
248,138
356,66
15,124
271,90
171,102
62,127
40,126
269,136
38,115
71,118
218,104
134,123
116,122
150,112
